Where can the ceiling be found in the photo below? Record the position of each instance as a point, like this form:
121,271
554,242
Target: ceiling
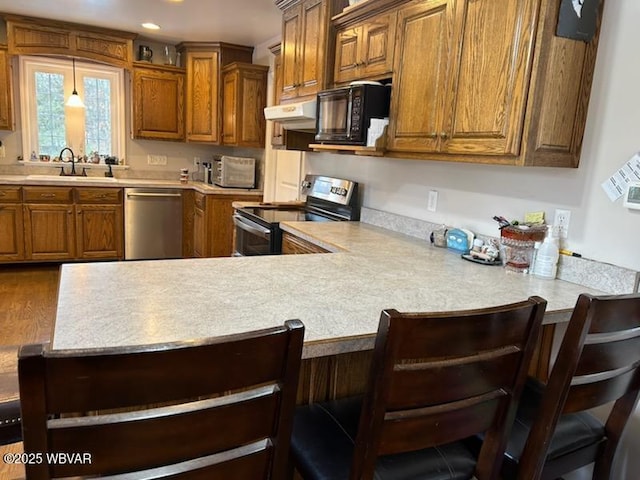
246,22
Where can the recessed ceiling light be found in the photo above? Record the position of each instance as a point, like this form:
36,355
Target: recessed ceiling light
151,26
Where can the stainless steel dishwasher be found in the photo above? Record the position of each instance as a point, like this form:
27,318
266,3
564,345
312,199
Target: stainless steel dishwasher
152,223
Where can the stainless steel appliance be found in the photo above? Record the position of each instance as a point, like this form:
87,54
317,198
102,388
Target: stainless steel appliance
236,172
258,230
344,114
152,223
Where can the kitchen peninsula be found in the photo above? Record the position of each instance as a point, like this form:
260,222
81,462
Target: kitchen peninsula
338,296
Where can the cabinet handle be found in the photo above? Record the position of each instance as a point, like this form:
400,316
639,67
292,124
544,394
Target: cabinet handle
433,135
69,212
443,135
47,195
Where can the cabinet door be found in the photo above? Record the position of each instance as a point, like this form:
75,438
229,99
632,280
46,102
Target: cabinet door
6,116
311,59
425,35
376,46
231,107
277,132
489,92
99,231
244,99
158,104
49,231
347,54
202,97
291,32
11,232
200,225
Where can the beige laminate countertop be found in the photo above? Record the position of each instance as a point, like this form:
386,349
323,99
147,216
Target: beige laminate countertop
55,180
338,296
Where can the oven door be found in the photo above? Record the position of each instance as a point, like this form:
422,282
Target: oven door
251,238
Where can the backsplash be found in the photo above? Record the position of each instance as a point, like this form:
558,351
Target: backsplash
582,271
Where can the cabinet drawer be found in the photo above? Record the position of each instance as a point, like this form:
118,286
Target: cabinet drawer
48,194
99,195
9,194
200,200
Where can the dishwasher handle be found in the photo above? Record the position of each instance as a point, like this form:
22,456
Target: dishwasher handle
150,194
251,227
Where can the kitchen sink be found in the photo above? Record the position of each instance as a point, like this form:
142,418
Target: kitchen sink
64,178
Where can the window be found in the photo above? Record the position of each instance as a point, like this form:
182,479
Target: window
49,125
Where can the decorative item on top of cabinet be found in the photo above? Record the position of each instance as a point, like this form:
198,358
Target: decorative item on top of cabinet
158,102
306,45
11,225
243,100
493,82
38,36
203,63
6,97
364,51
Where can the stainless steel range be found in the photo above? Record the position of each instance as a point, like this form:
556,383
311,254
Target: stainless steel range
328,199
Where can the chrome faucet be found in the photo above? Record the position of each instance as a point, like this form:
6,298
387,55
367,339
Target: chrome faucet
73,164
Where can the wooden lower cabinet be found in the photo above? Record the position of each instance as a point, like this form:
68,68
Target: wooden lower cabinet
212,226
62,224
11,225
296,245
99,223
49,232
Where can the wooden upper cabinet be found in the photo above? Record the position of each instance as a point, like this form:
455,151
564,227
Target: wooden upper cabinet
426,36
6,97
202,96
490,87
158,102
244,98
304,48
31,36
465,90
489,82
204,62
365,50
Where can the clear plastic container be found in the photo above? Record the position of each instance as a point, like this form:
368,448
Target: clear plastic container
546,265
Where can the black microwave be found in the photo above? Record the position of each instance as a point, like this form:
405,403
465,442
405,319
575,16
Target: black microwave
343,114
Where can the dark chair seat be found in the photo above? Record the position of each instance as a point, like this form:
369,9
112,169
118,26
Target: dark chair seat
10,425
598,363
579,431
436,379
324,437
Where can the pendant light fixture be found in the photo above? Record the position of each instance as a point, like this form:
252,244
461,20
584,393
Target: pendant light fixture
74,99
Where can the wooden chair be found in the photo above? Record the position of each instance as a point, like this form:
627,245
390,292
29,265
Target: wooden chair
598,362
436,378
231,407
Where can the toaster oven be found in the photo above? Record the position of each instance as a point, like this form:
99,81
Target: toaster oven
234,172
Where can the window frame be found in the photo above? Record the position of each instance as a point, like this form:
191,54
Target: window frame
29,64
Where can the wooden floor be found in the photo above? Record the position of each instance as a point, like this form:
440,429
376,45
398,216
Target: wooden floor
28,296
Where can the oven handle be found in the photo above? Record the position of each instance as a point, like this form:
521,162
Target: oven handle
251,227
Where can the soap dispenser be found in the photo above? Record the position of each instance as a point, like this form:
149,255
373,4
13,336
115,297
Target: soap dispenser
546,262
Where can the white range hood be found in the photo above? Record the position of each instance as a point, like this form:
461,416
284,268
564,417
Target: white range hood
294,116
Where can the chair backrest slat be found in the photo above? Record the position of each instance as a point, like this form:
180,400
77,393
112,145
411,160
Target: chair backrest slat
170,407
598,362
440,377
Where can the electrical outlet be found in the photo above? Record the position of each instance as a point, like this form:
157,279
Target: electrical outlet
196,162
156,159
561,222
433,200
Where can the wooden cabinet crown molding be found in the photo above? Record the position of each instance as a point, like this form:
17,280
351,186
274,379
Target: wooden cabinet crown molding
36,36
364,10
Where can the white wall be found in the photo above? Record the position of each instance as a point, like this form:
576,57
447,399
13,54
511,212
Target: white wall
469,195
